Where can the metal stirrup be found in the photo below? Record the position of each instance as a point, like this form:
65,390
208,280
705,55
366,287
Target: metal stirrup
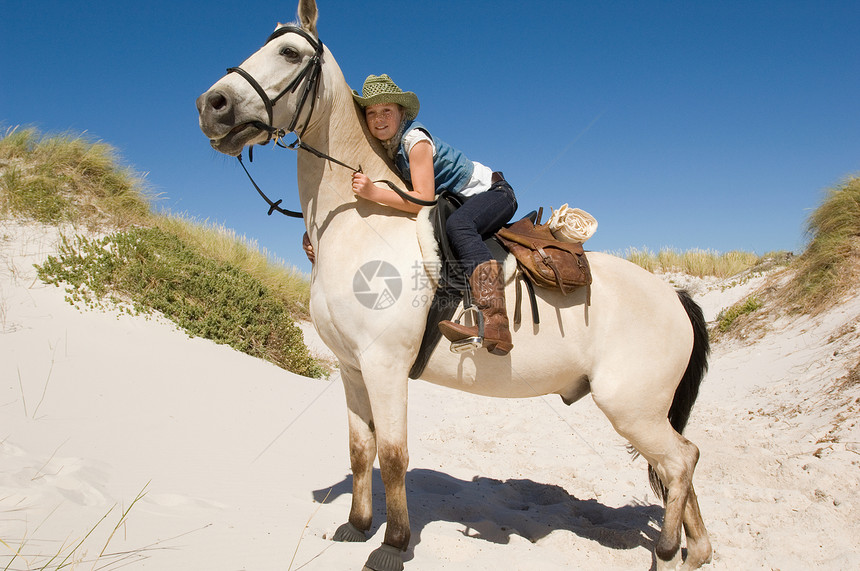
473,342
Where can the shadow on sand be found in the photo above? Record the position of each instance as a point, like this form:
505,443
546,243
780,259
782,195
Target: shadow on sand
494,510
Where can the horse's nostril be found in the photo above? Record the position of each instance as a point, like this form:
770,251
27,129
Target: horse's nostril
217,101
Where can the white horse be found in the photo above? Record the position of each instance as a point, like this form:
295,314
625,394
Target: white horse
637,346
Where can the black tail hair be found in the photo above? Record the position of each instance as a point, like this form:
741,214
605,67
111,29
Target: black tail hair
688,389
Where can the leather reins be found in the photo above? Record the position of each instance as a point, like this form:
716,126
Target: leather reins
310,75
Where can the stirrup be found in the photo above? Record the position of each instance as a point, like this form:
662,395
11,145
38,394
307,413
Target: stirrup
469,343
466,345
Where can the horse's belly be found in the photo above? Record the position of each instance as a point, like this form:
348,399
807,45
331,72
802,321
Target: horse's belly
529,370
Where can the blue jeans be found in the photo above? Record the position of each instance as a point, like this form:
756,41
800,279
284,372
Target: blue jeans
479,218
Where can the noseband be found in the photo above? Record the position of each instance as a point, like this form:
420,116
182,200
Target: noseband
309,75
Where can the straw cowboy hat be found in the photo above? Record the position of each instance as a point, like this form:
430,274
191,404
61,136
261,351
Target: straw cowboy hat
381,89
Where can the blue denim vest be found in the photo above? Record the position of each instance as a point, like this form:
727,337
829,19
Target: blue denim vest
451,169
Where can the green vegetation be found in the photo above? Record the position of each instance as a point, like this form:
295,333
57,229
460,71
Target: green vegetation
224,245
208,298
828,268
728,317
211,282
698,263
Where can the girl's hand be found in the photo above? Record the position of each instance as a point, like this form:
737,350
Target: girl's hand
308,248
362,186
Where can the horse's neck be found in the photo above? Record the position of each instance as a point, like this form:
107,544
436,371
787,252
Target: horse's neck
325,188
349,232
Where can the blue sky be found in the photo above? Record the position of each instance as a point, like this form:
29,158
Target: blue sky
713,125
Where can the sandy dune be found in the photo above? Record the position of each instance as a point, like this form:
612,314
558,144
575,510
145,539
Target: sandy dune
236,456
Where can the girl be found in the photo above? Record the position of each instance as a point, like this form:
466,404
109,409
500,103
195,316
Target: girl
432,166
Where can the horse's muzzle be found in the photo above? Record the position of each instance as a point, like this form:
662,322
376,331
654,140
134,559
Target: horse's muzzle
228,132
217,113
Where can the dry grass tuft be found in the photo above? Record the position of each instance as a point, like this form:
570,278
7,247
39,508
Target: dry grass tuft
69,179
699,263
829,268
823,275
74,555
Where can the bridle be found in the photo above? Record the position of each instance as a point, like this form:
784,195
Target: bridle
310,76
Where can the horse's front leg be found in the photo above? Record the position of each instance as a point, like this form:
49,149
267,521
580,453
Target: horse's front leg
362,452
388,395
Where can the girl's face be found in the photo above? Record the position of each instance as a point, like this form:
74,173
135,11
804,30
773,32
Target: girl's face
383,119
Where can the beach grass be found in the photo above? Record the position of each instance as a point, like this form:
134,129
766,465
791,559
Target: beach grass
69,179
825,273
829,267
74,554
698,263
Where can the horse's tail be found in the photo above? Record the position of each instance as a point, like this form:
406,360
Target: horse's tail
688,389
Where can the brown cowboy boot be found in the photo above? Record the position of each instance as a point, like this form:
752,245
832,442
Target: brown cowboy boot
488,290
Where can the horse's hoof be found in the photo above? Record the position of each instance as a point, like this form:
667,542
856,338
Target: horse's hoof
385,558
672,564
349,533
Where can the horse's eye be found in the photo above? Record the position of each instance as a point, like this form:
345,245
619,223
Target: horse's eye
290,53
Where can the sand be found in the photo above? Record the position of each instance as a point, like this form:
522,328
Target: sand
242,465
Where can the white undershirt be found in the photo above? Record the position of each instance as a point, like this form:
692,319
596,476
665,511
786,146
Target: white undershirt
482,176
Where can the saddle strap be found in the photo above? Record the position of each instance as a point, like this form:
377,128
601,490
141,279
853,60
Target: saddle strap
518,299
547,259
522,278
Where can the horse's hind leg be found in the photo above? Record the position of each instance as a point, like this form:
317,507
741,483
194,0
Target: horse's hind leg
676,473
675,470
699,548
674,458
362,452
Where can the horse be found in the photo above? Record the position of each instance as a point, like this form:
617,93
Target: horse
639,347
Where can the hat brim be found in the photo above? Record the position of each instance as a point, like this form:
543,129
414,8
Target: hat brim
406,99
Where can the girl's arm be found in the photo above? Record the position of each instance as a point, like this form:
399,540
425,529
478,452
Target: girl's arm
423,182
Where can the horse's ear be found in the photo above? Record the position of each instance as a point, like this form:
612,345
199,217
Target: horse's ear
308,16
